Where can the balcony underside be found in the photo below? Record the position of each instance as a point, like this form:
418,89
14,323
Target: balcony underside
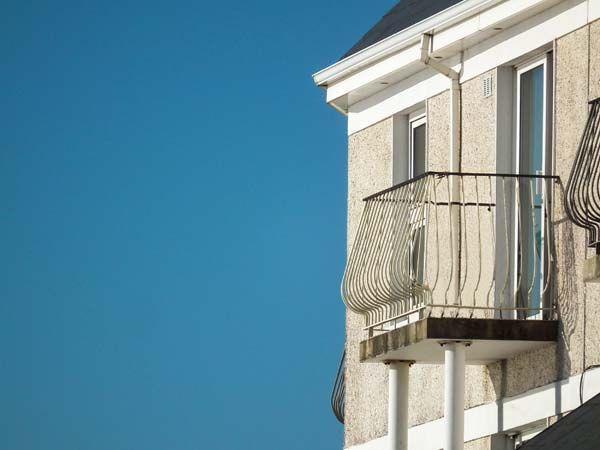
491,340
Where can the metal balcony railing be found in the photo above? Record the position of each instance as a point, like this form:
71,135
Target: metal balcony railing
454,244
338,394
583,188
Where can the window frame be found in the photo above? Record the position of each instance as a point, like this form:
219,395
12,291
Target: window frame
415,121
545,61
418,244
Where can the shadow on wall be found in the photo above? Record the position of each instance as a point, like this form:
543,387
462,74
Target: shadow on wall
553,363
567,288
567,297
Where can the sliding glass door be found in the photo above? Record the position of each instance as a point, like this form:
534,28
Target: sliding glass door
532,158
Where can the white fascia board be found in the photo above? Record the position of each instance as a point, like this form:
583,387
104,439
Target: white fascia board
508,10
505,415
376,71
525,37
502,48
452,26
594,10
398,41
500,14
457,32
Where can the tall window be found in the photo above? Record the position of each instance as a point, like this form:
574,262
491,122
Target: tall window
417,165
410,161
532,158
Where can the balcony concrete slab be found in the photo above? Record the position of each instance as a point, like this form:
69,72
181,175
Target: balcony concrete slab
490,340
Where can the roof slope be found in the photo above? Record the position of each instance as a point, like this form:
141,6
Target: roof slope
577,430
401,16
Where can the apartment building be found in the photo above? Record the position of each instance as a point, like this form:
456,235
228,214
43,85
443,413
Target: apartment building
473,309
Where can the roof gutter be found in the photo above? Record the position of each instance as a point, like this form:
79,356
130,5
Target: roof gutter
400,40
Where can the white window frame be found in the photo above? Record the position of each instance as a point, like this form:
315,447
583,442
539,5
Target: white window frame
415,121
539,61
545,61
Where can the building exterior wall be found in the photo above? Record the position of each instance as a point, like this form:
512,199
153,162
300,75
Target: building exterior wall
577,56
594,53
576,80
591,333
369,171
478,444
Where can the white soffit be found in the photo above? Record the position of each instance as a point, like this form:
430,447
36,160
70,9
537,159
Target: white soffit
530,35
593,10
395,58
398,41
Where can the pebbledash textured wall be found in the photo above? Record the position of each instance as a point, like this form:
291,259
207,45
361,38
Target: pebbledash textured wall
576,80
369,171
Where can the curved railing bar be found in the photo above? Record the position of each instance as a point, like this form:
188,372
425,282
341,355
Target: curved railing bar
437,240
533,242
479,246
338,393
464,228
520,256
452,237
390,275
507,265
547,243
582,199
493,234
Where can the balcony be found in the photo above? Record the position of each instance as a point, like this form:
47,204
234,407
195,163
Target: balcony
338,393
456,256
583,190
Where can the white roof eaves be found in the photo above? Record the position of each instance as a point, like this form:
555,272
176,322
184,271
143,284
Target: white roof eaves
400,40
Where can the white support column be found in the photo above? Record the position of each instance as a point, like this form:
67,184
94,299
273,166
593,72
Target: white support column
454,395
398,405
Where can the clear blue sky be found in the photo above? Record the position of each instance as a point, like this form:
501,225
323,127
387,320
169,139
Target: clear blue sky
172,222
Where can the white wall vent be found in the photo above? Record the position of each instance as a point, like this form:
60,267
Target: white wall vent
487,86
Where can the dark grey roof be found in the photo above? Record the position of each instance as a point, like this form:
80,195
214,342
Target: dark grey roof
577,430
401,16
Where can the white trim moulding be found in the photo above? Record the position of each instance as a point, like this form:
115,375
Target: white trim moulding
399,40
534,34
505,415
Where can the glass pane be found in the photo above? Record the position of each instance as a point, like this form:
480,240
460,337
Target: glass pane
531,148
418,150
531,143
417,256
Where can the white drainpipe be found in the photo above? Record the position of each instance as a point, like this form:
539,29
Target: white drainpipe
398,405
454,352
454,154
